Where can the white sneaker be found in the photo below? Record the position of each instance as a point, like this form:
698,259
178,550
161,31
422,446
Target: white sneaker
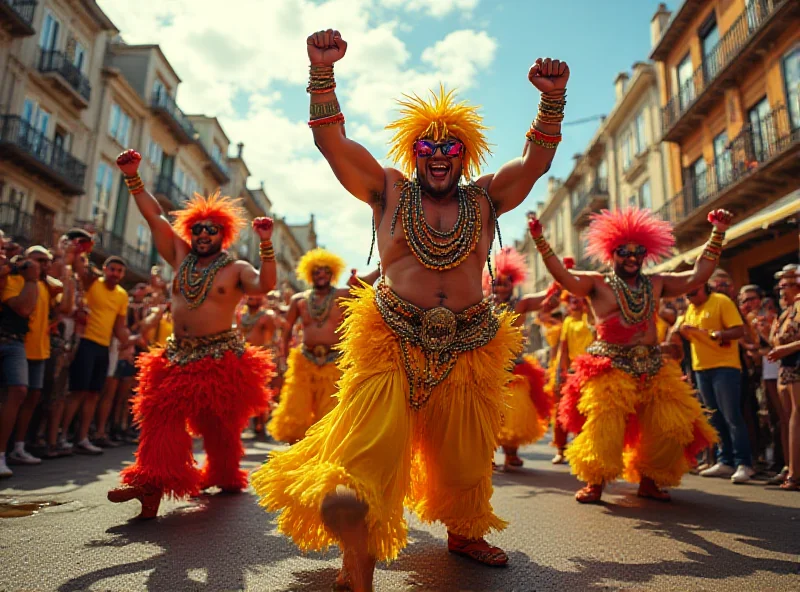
4,470
743,474
718,470
86,447
23,457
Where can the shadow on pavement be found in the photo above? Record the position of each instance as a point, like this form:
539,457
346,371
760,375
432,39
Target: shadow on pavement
226,536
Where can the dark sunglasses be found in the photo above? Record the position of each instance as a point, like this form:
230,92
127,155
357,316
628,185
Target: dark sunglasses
625,252
426,149
211,229
749,299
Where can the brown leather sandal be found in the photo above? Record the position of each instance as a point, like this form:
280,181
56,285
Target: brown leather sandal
477,550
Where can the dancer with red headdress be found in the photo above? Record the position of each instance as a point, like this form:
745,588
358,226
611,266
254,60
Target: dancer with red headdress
634,415
205,376
527,415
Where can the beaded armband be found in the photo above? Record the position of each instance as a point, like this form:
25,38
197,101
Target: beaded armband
135,184
713,249
544,248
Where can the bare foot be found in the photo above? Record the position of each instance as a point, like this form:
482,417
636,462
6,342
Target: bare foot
345,516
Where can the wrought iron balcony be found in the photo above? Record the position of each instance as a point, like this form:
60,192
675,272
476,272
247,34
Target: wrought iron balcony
755,28
590,200
169,190
24,228
26,146
66,75
164,105
218,169
17,15
761,164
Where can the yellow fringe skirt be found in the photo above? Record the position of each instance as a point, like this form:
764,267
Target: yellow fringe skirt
436,461
634,429
308,395
527,415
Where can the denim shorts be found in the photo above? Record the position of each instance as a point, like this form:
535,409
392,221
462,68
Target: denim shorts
36,374
13,364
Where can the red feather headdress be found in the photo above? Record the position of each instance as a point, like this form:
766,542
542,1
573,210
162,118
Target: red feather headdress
609,230
507,262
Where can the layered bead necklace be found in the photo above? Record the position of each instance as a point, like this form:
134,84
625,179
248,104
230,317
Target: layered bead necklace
437,249
195,284
320,310
636,304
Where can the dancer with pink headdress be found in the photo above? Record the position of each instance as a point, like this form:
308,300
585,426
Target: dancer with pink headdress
634,415
528,410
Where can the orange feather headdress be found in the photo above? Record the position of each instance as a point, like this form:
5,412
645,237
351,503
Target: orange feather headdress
220,209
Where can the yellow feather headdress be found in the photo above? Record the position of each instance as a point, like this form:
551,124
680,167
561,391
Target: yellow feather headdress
436,120
319,258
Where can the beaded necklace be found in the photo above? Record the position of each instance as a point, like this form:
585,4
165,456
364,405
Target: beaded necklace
320,311
636,304
435,249
195,284
249,321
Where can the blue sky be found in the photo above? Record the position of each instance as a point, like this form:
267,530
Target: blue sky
247,65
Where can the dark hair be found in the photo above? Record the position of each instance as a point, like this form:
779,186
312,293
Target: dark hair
74,233
114,259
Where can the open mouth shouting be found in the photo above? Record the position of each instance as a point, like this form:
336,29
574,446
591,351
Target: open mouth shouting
439,170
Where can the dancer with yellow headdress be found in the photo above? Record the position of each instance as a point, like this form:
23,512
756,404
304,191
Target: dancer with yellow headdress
425,358
311,376
205,377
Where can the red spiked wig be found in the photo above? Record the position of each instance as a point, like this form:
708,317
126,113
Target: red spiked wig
509,263
219,209
610,230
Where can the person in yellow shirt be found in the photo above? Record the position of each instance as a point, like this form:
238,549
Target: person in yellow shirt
107,303
712,325
19,298
37,349
577,334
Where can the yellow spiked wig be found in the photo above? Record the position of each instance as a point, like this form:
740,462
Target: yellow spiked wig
319,258
436,120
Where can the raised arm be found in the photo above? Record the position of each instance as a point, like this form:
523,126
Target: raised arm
512,183
677,284
579,283
356,169
291,319
264,280
24,303
534,302
164,236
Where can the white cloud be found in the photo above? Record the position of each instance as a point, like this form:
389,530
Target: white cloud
257,48
435,8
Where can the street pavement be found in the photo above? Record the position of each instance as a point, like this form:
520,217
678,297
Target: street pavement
713,536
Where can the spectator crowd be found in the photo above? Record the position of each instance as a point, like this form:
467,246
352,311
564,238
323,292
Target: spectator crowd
69,338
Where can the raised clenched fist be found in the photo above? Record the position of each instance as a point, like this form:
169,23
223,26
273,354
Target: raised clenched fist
549,75
263,228
534,226
128,162
326,47
721,219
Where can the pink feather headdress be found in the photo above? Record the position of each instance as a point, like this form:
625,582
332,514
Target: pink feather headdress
610,230
506,262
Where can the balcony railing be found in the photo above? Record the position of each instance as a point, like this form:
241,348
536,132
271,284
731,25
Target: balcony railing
21,139
169,189
25,228
721,55
106,244
218,168
57,62
18,14
163,102
754,146
587,197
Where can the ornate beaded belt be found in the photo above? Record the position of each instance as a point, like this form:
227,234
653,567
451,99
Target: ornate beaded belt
636,360
320,354
440,333
191,349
